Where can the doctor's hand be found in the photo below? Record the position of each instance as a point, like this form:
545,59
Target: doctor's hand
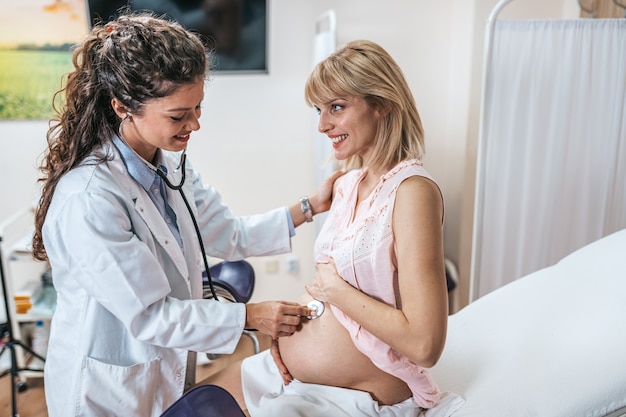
275,318
322,197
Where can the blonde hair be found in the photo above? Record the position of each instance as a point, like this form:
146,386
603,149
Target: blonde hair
364,69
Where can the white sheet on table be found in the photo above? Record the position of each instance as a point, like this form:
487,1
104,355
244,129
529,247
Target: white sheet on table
550,344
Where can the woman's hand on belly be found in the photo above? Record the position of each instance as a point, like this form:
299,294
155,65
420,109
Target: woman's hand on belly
275,349
282,368
312,350
322,352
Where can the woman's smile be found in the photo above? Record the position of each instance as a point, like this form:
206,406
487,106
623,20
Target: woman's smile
338,139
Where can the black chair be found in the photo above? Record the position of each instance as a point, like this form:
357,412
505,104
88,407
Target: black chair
452,275
233,281
205,401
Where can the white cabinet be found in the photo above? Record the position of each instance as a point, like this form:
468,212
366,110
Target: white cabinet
22,279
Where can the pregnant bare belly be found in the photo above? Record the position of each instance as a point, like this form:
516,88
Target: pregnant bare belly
322,352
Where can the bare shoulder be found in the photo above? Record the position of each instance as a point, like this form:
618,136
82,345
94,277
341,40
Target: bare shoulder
420,185
417,192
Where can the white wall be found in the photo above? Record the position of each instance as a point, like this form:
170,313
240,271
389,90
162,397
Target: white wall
256,144
22,143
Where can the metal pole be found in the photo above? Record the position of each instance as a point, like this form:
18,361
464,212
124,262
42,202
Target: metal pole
479,185
12,345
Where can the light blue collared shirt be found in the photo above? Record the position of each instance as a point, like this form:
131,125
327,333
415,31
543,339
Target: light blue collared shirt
151,182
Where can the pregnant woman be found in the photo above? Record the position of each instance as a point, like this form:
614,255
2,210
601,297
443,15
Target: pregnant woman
379,259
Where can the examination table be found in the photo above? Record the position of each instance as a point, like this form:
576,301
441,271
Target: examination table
550,344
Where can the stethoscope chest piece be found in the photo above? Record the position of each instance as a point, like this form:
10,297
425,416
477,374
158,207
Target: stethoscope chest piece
317,306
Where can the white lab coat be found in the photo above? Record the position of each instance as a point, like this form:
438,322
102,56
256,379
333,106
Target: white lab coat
125,318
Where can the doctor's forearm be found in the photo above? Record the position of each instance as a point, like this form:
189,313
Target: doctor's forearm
306,208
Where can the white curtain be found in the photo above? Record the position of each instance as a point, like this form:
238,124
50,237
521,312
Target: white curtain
554,131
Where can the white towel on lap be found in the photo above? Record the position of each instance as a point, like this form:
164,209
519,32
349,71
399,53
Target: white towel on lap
267,396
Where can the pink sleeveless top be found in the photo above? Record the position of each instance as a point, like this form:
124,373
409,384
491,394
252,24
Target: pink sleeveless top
364,253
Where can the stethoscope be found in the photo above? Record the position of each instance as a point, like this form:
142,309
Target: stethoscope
178,187
315,305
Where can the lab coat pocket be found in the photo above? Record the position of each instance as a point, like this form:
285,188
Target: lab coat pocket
112,390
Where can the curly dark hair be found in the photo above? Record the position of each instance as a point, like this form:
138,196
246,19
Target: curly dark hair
135,58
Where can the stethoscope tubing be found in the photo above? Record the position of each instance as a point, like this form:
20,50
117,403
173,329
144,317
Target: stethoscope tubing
199,235
179,188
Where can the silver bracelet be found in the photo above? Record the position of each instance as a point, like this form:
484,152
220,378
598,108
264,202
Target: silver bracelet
305,206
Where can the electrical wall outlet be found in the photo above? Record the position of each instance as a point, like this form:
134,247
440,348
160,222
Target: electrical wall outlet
271,266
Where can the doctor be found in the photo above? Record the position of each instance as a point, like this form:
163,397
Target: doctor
114,223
